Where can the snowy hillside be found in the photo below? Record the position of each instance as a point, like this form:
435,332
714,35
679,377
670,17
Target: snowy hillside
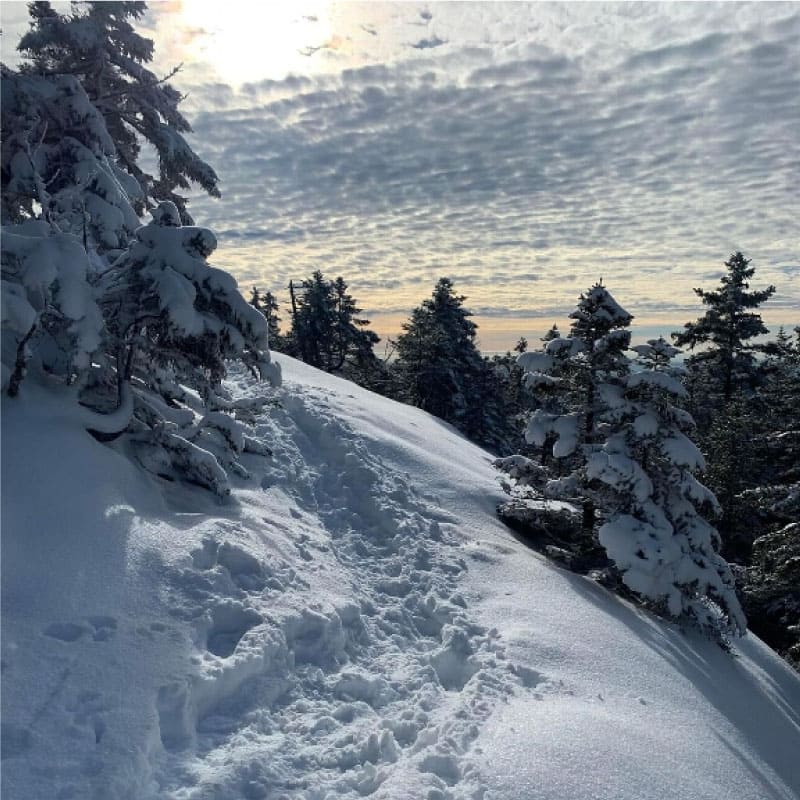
355,623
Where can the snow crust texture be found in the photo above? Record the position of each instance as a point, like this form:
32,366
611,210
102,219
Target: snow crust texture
355,624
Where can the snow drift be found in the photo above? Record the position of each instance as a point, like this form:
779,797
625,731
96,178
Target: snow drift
356,622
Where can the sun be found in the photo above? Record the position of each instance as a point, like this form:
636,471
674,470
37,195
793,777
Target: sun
252,40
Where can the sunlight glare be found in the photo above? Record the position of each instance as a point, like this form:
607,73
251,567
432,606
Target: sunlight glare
249,41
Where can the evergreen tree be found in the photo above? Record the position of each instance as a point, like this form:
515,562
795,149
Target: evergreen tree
769,507
771,590
722,377
97,44
58,162
552,333
438,365
52,139
267,304
581,373
328,333
131,315
730,445
509,402
654,529
727,327
575,382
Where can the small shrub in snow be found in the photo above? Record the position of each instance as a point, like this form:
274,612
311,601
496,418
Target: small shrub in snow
173,321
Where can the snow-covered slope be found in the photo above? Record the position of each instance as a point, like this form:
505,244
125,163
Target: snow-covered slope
356,623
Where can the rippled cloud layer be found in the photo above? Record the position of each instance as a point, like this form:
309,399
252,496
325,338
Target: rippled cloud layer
523,150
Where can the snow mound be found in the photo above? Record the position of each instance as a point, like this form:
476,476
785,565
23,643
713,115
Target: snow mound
356,623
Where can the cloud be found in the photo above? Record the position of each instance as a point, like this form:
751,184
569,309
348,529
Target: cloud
524,168
429,44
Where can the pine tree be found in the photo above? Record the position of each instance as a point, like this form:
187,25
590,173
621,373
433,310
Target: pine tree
97,44
328,333
437,358
721,379
131,315
267,304
727,327
654,530
583,372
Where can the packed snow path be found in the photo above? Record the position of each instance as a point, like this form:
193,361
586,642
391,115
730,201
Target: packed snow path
357,623
376,659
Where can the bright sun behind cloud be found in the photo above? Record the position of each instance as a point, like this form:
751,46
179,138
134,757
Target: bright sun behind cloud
251,41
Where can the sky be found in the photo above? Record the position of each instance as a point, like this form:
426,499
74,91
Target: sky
524,150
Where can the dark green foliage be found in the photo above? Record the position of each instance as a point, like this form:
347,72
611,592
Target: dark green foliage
328,333
267,304
723,381
771,591
440,370
552,333
769,508
746,408
726,328
729,446
96,43
435,353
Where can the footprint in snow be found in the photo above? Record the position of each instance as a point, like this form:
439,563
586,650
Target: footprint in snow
229,623
530,678
443,766
104,627
65,631
100,628
87,710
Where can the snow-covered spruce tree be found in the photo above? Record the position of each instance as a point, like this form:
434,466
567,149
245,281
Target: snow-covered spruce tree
97,44
61,194
654,528
172,321
58,162
577,380
132,317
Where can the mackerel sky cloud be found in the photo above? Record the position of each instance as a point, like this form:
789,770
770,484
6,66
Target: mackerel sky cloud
525,150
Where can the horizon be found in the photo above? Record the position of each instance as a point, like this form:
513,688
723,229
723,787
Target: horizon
523,150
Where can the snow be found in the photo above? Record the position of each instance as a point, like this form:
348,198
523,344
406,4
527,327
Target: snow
680,450
354,622
660,379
